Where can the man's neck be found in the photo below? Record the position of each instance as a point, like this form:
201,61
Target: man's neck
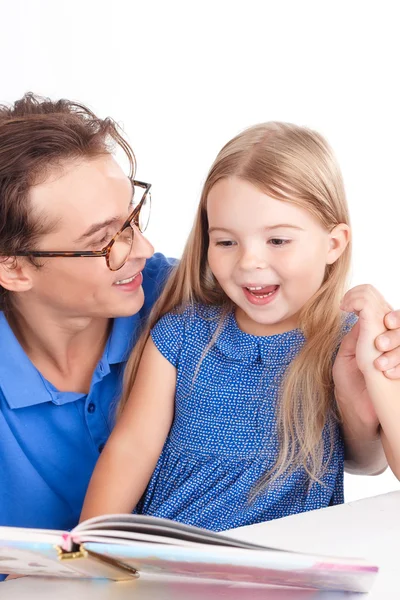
64,349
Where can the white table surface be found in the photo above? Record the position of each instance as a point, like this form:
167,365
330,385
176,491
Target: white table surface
368,528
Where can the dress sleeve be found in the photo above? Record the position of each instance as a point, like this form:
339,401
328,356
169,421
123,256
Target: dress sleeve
168,336
349,320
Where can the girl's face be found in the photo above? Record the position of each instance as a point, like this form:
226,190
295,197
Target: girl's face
268,256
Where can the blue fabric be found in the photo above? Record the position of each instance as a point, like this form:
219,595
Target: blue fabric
51,440
224,436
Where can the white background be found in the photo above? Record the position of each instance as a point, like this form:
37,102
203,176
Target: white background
183,77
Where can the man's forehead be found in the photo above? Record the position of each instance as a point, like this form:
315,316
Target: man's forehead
72,192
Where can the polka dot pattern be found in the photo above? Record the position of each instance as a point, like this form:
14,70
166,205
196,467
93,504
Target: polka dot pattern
224,437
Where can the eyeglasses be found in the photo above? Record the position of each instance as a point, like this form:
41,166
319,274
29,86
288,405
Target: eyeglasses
119,247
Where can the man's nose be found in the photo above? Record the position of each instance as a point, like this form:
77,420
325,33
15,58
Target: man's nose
141,247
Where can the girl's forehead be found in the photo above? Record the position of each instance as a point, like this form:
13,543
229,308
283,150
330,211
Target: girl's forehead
240,203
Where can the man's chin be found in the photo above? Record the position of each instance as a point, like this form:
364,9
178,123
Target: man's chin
128,308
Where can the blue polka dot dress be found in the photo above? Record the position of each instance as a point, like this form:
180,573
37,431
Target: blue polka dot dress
223,436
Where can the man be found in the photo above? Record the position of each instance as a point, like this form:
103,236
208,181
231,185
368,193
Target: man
70,320
77,278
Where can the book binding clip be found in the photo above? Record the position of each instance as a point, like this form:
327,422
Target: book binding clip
98,565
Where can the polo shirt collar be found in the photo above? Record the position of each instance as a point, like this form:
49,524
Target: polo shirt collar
20,381
123,336
23,385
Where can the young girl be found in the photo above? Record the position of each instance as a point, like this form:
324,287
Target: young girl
228,412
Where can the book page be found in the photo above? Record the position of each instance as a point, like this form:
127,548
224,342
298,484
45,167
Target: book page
141,527
41,561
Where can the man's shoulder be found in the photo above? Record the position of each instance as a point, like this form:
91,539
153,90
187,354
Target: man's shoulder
158,267
155,274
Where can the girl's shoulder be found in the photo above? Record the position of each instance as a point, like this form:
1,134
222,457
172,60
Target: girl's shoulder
183,326
193,314
189,319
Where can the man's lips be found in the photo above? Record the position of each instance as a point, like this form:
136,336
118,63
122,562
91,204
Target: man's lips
127,279
130,284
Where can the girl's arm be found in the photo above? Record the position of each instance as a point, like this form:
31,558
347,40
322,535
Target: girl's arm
385,395
131,453
364,454
369,402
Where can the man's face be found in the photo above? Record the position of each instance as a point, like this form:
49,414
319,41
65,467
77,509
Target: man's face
75,197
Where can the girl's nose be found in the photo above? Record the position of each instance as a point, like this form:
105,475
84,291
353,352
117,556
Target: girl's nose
252,259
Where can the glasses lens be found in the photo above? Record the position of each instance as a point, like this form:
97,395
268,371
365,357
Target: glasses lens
144,214
121,249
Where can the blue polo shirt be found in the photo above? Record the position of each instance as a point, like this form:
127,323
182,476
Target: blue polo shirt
50,440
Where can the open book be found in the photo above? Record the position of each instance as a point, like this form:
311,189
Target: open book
119,547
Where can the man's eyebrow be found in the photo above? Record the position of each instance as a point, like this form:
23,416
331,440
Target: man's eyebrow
97,227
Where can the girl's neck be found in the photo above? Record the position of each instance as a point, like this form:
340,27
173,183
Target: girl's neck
248,325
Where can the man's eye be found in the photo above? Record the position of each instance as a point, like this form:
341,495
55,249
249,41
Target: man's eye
104,241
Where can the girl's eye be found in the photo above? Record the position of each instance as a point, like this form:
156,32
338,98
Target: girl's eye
278,242
225,243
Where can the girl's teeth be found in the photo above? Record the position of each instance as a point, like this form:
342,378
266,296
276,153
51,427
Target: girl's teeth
264,295
125,281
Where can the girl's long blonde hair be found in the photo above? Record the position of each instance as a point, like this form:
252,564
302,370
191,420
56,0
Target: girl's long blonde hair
292,164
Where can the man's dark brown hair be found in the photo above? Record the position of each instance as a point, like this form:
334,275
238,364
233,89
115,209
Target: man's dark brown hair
36,135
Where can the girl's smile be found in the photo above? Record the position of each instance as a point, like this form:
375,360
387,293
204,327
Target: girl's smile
261,295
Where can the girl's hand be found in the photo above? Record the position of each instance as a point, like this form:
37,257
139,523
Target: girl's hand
366,399
357,354
371,308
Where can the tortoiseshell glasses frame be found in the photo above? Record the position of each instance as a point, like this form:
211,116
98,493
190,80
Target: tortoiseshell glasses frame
133,219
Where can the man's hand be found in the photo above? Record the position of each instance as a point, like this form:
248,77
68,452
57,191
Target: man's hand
389,344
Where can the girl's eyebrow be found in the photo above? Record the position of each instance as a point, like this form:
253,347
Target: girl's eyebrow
279,226
211,229
284,225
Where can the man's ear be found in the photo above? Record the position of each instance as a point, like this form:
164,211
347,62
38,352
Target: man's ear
339,237
15,275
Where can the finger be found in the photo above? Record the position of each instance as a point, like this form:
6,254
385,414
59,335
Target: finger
392,319
390,340
363,296
389,360
393,373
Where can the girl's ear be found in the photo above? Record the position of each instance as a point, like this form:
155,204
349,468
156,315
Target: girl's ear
339,237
